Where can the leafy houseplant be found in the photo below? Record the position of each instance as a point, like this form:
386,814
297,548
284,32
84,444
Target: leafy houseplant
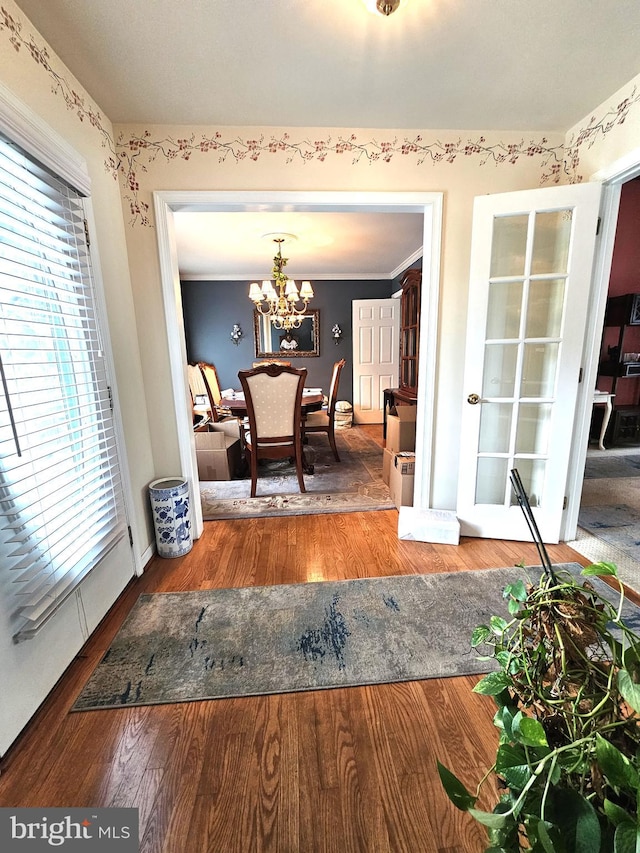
567,690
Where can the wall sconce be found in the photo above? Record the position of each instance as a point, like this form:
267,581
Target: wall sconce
337,333
236,334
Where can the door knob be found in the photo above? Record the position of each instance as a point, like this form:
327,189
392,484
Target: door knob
474,399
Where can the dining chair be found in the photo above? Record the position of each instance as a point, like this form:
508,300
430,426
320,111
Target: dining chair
324,420
212,385
273,397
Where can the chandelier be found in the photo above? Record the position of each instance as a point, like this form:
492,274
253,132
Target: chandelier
282,303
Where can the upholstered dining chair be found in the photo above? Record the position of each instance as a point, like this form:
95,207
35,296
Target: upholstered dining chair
212,385
323,421
273,396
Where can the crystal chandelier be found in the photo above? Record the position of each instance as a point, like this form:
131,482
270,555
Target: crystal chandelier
282,303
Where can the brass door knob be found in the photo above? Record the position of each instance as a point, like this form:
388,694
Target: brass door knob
474,399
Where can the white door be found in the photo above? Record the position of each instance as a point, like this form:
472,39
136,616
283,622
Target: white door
531,263
376,355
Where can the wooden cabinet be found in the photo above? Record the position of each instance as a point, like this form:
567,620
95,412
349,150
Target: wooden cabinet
407,390
410,332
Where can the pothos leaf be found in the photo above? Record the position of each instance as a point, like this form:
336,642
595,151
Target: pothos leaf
490,819
531,732
492,684
538,834
512,764
629,689
602,569
480,635
627,837
455,790
615,813
615,765
631,658
498,625
515,590
576,819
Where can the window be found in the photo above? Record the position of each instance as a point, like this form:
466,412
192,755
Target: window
61,506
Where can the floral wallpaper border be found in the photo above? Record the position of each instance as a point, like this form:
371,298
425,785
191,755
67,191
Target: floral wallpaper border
128,156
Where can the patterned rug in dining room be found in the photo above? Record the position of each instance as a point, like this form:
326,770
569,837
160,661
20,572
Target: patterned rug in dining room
352,485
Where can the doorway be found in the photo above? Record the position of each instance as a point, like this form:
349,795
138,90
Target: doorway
610,496
430,205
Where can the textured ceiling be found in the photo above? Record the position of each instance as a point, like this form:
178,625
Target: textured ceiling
321,246
473,64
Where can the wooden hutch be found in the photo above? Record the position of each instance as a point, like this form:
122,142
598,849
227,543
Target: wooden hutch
407,390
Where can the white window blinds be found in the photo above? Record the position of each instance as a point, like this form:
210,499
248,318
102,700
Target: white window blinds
61,506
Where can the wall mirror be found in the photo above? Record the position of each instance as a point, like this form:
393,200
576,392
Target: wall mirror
276,343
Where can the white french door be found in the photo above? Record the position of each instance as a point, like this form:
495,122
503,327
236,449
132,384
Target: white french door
376,355
531,263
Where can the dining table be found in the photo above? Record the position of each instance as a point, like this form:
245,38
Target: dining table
312,401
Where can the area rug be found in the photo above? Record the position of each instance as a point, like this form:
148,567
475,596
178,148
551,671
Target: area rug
612,464
610,502
352,485
186,646
617,524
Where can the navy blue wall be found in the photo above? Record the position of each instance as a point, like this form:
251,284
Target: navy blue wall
212,307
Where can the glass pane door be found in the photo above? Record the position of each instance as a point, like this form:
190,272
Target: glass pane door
531,258
524,322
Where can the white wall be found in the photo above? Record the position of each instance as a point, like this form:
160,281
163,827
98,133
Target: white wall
607,135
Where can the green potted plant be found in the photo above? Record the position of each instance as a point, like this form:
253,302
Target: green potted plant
567,690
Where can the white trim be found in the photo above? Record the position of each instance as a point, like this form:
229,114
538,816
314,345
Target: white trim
101,310
621,170
429,204
613,177
427,357
32,134
413,257
176,340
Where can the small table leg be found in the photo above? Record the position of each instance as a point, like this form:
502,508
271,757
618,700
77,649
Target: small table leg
605,423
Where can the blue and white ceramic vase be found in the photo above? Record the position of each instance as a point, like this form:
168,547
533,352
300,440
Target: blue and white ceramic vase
171,516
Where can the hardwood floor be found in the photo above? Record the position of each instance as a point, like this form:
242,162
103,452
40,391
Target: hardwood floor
336,770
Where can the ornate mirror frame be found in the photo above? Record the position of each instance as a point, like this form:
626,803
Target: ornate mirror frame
305,340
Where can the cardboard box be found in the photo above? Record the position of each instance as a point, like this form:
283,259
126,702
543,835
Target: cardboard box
428,525
401,429
401,480
218,451
387,462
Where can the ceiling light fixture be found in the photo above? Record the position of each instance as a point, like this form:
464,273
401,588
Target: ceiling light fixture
281,302
382,7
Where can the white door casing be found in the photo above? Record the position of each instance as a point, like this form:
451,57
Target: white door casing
376,355
531,269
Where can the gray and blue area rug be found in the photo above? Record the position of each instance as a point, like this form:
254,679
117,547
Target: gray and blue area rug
610,505
352,485
186,646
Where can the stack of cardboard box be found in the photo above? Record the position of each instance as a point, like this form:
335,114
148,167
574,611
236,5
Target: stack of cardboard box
398,463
